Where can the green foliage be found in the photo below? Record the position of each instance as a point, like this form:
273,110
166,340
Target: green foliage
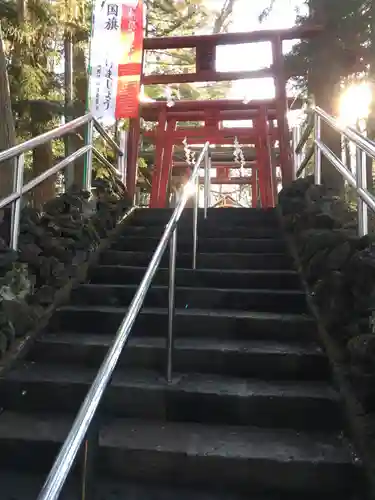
348,31
34,33
142,163
171,17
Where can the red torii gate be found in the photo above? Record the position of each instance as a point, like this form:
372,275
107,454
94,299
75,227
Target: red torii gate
262,113
167,134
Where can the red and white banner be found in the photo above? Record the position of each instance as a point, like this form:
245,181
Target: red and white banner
116,59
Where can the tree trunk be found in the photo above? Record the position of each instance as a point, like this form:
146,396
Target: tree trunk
371,117
323,82
42,160
7,130
224,16
80,89
68,88
331,178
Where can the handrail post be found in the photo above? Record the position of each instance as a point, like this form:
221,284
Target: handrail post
318,153
195,221
121,159
16,209
206,180
294,135
209,181
90,136
361,184
296,157
171,302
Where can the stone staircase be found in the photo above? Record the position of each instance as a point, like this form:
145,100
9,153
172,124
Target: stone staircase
251,408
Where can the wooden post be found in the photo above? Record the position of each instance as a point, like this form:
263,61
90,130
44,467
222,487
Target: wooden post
158,157
281,111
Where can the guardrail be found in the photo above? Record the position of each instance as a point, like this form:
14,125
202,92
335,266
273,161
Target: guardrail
18,154
364,148
81,426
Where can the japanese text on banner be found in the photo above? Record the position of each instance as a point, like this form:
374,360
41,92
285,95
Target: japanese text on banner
116,44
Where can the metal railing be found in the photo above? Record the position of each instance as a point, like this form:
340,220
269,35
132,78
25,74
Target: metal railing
80,429
364,148
17,153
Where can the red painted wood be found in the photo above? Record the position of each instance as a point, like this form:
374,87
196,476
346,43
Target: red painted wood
179,42
218,165
261,132
158,157
166,165
205,76
132,157
200,136
218,104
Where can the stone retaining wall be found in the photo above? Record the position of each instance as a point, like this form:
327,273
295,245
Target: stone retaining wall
338,269
54,244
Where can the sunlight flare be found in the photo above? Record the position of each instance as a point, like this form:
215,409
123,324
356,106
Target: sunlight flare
355,103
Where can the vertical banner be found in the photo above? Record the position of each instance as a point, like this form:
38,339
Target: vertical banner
130,67
116,59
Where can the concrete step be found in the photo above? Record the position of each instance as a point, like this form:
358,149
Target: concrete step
224,324
250,411
26,486
205,245
242,458
246,261
289,301
192,397
256,278
215,216
206,230
245,459
269,360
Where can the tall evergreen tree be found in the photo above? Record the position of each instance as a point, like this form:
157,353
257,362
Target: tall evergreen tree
348,32
39,35
7,130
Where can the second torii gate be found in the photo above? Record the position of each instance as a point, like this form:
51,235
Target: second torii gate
261,134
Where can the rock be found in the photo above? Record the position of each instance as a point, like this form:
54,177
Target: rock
20,315
44,296
362,370
340,270
53,244
3,344
362,351
7,258
6,327
339,256
5,226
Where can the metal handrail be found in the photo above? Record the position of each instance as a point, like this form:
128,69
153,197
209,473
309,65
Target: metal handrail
364,148
367,146
17,152
76,436
57,133
43,176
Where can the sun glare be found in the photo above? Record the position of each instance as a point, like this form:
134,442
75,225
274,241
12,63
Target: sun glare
190,188
355,103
